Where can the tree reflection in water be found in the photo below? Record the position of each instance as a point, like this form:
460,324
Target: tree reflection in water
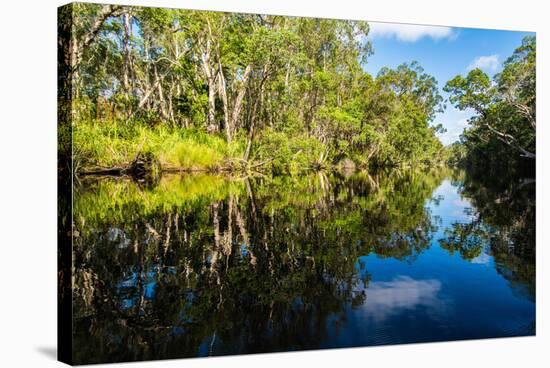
502,225
207,265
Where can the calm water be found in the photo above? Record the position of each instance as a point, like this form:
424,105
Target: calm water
205,265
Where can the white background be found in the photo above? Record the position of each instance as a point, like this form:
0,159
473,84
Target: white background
28,182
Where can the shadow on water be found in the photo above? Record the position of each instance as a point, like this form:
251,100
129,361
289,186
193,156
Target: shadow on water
209,265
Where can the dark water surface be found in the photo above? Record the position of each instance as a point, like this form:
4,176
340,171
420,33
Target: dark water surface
206,265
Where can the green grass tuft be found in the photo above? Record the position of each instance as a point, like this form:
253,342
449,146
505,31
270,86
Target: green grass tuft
111,143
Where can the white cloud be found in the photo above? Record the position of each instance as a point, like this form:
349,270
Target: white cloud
388,298
489,62
409,32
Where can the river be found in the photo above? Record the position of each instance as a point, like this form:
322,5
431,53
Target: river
205,265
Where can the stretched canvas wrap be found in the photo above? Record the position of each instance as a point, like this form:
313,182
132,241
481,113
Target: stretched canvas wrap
243,183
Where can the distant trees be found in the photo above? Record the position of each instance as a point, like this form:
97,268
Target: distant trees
505,107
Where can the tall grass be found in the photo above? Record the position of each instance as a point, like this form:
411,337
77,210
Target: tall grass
112,143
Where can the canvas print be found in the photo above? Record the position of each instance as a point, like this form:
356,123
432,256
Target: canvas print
236,183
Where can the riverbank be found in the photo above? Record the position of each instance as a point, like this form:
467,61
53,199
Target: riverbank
135,149
112,145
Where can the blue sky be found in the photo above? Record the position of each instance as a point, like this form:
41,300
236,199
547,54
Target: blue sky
443,52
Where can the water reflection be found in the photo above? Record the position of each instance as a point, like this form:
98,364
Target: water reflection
402,294
209,265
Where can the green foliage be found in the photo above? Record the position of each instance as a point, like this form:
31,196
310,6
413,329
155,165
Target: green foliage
503,131
292,89
474,91
288,154
456,154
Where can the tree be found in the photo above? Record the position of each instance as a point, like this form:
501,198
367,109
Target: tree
505,106
256,79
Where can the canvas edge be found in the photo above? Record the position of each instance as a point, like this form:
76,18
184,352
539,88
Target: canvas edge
64,185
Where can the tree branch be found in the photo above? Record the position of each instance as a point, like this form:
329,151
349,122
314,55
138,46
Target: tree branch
510,141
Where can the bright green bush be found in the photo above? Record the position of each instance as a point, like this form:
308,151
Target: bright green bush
288,154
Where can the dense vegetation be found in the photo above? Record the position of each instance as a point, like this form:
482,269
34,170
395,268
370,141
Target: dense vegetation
209,90
502,131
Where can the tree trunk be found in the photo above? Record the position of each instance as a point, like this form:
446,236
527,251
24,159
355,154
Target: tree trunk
223,93
240,97
251,131
207,68
249,141
126,67
162,102
211,103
